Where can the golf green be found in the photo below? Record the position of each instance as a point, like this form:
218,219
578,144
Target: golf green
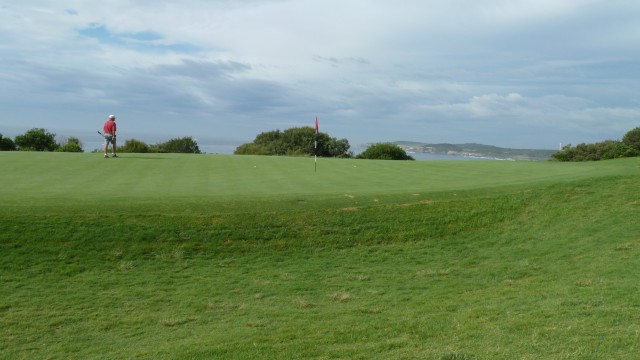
37,177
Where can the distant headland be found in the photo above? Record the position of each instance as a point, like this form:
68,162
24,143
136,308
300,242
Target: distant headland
473,150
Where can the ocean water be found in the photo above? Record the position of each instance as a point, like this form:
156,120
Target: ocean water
435,157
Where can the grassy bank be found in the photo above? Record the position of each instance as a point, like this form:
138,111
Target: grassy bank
200,257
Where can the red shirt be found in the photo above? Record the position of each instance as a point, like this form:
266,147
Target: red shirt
110,127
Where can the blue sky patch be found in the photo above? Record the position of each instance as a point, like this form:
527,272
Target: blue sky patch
146,41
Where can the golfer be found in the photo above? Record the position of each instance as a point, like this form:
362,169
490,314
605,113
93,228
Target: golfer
109,132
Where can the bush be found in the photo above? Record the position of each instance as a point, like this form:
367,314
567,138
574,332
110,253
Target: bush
181,145
251,149
385,151
184,145
6,144
134,146
36,139
295,142
72,144
605,150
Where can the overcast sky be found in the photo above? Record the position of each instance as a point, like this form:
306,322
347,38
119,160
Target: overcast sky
511,73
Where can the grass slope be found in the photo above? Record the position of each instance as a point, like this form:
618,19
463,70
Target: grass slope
229,257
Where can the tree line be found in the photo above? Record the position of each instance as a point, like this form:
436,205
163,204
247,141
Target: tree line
303,141
291,142
185,145
629,146
39,139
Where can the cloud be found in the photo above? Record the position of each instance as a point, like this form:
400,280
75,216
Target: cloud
554,117
340,61
509,72
200,69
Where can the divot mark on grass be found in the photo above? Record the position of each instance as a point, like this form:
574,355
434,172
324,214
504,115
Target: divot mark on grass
303,304
624,247
126,265
458,356
358,277
340,297
116,254
372,311
431,272
176,322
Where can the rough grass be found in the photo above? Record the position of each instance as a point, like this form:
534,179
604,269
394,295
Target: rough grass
539,262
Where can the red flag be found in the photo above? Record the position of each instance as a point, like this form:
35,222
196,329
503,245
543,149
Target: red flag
316,124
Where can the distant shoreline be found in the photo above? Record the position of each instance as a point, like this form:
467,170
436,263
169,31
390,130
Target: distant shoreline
471,151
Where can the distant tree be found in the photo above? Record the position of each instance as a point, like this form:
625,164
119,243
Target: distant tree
185,145
37,139
6,144
632,139
385,151
71,144
134,146
295,142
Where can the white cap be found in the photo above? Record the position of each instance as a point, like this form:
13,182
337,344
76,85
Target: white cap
112,116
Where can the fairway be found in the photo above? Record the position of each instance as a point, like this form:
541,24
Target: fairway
167,256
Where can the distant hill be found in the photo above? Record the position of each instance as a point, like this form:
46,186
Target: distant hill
476,150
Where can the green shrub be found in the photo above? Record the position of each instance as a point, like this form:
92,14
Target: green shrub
385,151
302,141
604,150
134,146
185,145
36,139
72,144
6,144
251,149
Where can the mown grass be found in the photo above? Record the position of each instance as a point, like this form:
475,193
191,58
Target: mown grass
524,265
